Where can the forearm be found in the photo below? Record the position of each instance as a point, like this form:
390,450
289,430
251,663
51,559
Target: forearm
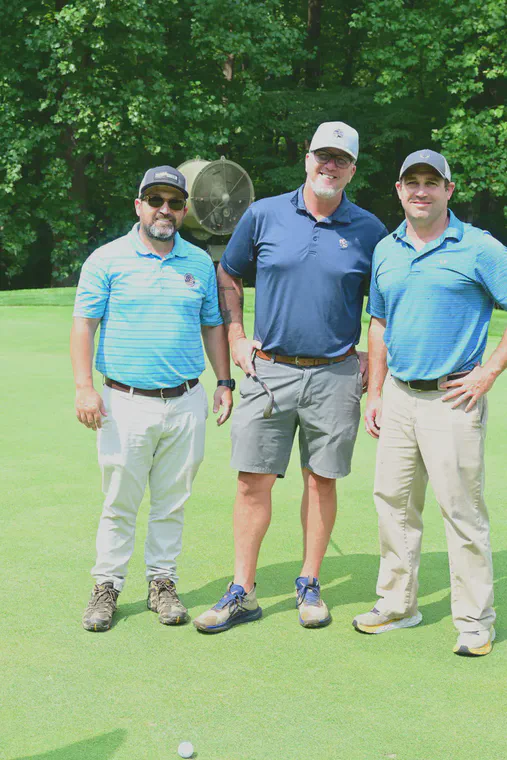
82,349
497,362
217,350
231,299
377,357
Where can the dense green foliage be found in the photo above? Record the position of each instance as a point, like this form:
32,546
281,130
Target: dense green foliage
92,92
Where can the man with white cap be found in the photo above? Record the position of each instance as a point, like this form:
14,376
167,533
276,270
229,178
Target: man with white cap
434,284
310,254
155,297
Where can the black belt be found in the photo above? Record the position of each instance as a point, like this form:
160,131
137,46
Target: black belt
431,385
179,390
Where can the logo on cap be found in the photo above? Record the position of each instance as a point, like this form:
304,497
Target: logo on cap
159,175
338,133
424,154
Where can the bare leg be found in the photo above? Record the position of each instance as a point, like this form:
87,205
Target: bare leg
252,515
318,513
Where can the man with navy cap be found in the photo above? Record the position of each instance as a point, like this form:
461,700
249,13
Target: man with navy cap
434,284
155,297
310,254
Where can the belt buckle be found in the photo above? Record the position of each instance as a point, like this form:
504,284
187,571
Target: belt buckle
296,361
417,390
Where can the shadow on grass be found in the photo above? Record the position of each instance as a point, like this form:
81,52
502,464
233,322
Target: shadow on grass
100,747
129,610
351,579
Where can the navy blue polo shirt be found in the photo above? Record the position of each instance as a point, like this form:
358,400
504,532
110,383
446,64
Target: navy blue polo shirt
437,302
310,276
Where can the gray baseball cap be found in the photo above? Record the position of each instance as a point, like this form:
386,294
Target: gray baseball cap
429,157
336,134
164,175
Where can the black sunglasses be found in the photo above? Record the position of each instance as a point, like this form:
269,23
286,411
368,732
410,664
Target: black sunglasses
156,201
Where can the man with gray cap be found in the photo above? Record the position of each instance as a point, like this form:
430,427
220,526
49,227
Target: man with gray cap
310,254
434,284
154,296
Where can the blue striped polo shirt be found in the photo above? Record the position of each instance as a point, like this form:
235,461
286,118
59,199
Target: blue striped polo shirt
151,310
437,302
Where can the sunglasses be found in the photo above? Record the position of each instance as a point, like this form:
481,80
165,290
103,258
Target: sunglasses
156,201
324,156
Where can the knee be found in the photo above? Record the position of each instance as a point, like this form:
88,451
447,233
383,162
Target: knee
322,486
254,485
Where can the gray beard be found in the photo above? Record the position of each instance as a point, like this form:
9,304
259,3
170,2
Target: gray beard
155,233
323,192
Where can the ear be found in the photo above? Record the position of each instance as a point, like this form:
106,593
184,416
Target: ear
137,205
398,189
450,189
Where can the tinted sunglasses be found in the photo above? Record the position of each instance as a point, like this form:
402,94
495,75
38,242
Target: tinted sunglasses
156,201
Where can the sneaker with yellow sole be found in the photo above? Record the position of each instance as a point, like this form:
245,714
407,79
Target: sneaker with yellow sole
376,622
475,643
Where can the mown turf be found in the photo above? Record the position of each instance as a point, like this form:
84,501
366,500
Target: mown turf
266,690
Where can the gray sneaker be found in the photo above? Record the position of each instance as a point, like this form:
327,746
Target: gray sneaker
98,615
163,598
313,611
376,622
475,643
235,607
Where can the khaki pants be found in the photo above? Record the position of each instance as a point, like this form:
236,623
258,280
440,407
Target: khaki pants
147,440
423,437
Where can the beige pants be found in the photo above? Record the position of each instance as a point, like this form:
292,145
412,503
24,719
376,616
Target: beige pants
423,437
147,440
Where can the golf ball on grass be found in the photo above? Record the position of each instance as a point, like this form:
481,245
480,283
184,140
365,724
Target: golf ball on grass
185,749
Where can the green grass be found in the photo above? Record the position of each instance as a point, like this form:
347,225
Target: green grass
266,690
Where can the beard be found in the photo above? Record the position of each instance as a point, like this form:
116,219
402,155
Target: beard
325,191
165,233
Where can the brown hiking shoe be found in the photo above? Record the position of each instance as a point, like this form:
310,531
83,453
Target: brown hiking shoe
98,615
162,598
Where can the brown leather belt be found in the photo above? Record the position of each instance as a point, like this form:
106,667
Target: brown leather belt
179,390
432,385
304,361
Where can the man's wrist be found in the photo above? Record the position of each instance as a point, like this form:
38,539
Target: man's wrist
230,383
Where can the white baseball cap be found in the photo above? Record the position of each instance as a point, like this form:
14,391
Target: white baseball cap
336,134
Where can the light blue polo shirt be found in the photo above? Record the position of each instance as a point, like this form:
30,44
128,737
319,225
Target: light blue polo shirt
437,302
151,310
310,276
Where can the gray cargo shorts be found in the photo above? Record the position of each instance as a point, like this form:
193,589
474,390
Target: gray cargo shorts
323,402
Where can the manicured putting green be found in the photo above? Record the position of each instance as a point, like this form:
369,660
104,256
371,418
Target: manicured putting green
266,690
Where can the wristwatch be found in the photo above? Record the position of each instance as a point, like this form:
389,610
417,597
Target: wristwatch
227,383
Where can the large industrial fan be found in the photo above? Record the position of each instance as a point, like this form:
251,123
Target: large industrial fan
219,192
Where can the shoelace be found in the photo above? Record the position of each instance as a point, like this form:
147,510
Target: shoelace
308,594
104,595
231,598
166,587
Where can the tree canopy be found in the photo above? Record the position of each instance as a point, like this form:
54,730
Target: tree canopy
93,92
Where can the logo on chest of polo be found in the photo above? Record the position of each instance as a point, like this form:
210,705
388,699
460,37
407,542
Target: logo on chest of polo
343,243
189,280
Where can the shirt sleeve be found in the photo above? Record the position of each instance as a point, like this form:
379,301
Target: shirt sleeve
376,305
239,256
210,311
491,269
93,289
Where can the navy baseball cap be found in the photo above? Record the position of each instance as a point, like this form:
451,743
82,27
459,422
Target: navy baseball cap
429,158
164,175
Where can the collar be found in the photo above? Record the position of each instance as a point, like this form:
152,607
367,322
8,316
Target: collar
340,214
179,248
453,231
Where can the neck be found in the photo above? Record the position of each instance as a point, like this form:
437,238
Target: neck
320,208
160,247
419,230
